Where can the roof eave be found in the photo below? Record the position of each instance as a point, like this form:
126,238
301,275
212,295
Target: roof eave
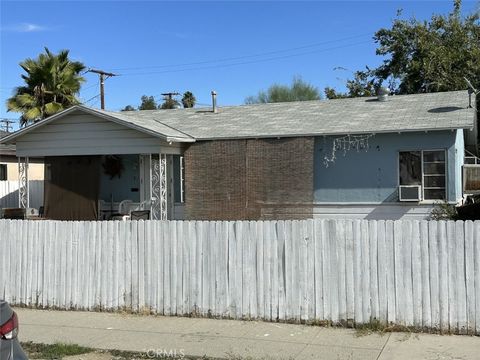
340,133
180,139
10,138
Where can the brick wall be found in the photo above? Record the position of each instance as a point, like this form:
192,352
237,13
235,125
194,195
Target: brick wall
249,179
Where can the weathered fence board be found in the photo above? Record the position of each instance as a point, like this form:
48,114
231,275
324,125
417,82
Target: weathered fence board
415,273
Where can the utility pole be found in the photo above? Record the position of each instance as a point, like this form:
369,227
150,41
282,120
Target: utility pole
103,76
6,124
169,102
170,95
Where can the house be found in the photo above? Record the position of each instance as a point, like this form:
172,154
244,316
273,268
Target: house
10,178
346,158
9,163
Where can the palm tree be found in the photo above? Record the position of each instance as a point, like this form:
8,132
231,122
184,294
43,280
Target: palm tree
188,100
51,85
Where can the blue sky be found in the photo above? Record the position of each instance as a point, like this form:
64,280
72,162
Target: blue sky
149,43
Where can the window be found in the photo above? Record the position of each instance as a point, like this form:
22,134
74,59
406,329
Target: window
434,175
410,168
179,179
3,171
425,168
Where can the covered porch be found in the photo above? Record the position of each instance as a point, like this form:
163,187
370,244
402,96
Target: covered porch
109,187
141,185
114,187
100,167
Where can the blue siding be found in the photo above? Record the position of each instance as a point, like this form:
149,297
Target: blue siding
372,176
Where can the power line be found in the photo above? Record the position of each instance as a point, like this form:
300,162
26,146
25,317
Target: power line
95,103
93,97
244,56
91,86
244,62
84,91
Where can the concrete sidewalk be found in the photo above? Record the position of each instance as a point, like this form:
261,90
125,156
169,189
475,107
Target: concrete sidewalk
229,338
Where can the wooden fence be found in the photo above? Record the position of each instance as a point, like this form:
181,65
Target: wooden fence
9,194
424,274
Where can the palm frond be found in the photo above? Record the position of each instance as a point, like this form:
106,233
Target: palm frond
26,100
51,83
32,114
52,108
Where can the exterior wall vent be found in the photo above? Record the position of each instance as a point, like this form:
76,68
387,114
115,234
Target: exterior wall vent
410,192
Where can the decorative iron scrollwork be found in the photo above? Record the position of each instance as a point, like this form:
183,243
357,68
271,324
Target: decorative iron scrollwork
159,186
163,186
23,191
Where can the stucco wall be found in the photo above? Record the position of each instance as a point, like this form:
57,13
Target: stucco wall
288,179
372,176
35,171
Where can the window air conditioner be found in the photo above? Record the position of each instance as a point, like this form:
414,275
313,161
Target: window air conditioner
410,192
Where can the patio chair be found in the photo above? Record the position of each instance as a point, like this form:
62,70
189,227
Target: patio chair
123,210
144,205
140,215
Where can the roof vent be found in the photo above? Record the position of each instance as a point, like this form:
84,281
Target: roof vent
382,94
214,101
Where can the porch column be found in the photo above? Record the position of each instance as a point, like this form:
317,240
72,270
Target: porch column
23,191
159,186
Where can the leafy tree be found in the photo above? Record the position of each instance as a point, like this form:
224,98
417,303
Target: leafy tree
362,84
52,82
299,90
188,100
128,108
169,103
430,56
148,103
331,93
422,56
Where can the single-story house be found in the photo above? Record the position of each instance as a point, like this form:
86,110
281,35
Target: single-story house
9,163
13,173
351,158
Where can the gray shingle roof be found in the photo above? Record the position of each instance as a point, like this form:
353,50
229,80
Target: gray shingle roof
147,122
419,112
434,111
